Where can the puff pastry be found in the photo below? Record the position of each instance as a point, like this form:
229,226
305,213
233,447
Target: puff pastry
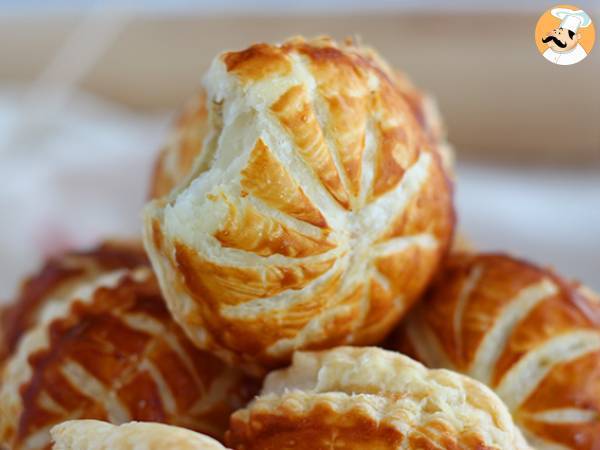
530,335
175,162
104,346
98,435
57,279
315,214
368,398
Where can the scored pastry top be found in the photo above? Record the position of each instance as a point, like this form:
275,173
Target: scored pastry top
103,345
529,334
315,213
363,398
175,162
57,279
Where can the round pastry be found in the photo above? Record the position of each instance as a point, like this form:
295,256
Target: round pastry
525,332
176,159
57,279
98,435
355,398
107,348
315,214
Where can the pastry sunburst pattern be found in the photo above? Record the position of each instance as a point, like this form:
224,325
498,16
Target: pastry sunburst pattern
111,351
531,336
313,216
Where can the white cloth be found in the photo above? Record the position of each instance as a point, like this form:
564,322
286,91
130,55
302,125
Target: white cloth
566,58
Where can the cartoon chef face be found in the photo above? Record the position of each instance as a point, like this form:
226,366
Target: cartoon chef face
561,39
564,40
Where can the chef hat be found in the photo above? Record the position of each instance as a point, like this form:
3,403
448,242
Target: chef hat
572,20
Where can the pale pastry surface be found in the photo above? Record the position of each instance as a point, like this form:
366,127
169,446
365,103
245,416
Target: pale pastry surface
98,435
369,398
315,213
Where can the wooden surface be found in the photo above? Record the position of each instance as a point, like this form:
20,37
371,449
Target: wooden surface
502,101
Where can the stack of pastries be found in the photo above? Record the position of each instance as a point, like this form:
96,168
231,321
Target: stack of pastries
300,221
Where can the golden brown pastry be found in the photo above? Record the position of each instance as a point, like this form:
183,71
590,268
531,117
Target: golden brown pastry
176,159
97,435
317,210
57,279
530,335
104,346
367,398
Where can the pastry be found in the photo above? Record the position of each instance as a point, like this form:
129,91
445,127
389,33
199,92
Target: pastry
315,214
104,346
56,280
175,162
97,435
530,335
355,398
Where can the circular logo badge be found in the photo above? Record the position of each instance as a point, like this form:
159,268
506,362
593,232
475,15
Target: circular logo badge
565,35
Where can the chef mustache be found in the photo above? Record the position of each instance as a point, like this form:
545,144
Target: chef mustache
556,41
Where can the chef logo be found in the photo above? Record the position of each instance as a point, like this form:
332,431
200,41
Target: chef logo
565,35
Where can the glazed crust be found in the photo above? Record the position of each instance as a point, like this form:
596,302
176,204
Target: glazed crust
530,335
175,161
107,348
316,212
97,435
58,277
369,398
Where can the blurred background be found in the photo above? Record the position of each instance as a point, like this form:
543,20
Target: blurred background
88,90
